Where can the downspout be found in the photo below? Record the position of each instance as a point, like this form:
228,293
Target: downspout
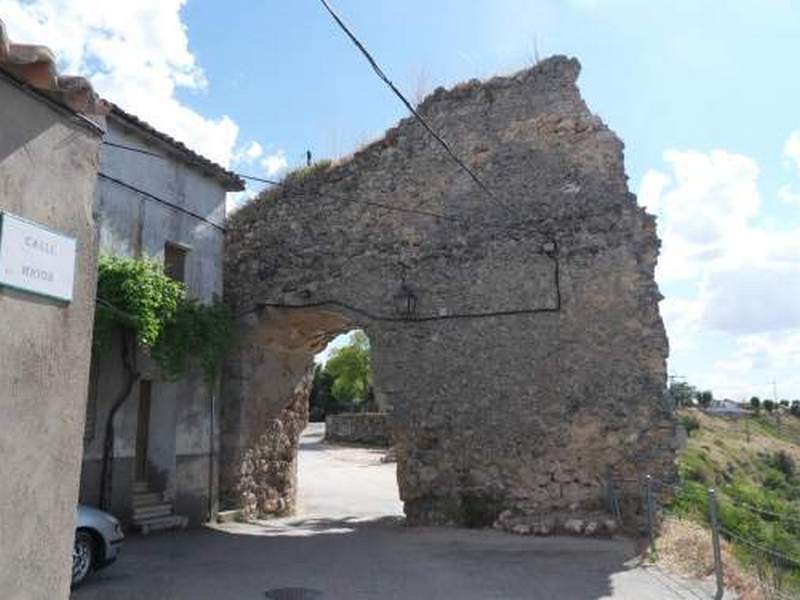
211,439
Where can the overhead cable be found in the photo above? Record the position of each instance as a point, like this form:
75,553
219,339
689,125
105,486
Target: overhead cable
373,63
158,199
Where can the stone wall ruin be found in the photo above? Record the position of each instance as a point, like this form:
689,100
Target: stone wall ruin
536,357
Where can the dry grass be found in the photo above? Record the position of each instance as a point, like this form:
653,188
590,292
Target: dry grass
734,432
684,548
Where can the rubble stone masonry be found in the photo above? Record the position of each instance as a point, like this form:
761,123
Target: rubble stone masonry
535,358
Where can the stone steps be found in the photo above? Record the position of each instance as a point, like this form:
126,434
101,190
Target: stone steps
152,513
155,510
146,499
160,523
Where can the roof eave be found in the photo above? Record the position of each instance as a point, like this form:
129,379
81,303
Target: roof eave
230,181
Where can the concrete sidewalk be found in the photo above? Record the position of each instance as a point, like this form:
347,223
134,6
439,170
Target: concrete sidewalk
350,543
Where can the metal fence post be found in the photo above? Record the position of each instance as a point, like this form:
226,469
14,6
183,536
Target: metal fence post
650,517
712,511
611,491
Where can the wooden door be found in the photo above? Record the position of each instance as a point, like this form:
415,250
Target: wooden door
142,430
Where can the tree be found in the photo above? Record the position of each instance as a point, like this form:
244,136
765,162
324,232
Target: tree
350,368
795,409
769,405
682,393
755,403
321,401
705,398
151,312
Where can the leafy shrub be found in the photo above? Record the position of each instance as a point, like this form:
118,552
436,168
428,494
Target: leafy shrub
784,463
690,423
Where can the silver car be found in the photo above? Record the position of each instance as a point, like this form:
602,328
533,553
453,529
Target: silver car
98,537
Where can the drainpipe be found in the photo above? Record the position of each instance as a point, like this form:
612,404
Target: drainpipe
211,437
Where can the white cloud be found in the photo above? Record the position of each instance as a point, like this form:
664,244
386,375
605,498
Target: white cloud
753,300
731,274
136,55
249,154
791,149
652,189
275,163
682,320
789,196
791,152
704,208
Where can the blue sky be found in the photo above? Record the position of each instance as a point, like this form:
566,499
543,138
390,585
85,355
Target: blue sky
704,93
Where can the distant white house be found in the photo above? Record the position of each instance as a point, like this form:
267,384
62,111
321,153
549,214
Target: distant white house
727,407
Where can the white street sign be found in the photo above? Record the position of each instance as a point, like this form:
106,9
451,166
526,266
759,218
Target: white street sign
36,259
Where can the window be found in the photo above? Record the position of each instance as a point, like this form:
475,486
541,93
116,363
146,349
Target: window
175,261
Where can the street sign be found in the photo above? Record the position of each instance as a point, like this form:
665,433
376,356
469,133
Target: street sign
36,259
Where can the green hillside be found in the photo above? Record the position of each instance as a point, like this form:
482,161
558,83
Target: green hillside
752,462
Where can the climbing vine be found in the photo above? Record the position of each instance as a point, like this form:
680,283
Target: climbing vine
196,334
152,312
136,296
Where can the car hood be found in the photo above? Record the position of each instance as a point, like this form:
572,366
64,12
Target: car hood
87,515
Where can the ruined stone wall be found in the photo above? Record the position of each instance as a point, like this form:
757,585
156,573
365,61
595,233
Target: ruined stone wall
536,356
358,428
267,477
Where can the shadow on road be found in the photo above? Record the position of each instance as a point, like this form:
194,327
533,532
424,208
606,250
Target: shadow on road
353,558
350,542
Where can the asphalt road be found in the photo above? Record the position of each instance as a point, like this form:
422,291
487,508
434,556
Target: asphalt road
349,542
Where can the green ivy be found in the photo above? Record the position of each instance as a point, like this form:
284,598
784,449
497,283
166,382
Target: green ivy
137,295
179,332
197,334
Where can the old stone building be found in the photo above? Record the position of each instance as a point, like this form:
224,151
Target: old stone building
515,330
50,133
156,198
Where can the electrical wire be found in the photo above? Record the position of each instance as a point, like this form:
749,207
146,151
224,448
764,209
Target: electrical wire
373,63
424,319
158,199
755,509
774,553
552,252
517,228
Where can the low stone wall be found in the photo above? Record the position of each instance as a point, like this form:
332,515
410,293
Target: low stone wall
358,428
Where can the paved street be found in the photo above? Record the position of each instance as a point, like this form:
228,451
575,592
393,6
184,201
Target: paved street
349,543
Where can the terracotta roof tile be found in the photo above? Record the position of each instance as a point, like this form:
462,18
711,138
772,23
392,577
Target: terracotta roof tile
36,66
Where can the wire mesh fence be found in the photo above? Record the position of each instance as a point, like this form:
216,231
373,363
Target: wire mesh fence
640,501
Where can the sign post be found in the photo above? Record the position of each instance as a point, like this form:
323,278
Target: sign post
36,259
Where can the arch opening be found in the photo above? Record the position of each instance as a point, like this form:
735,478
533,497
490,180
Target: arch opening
346,467
532,359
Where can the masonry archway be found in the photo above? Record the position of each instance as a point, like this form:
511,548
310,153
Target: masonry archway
515,333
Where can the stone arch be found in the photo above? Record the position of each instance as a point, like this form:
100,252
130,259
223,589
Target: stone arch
534,360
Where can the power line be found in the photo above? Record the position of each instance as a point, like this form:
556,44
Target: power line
409,106
133,149
518,228
414,319
755,509
158,199
774,553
